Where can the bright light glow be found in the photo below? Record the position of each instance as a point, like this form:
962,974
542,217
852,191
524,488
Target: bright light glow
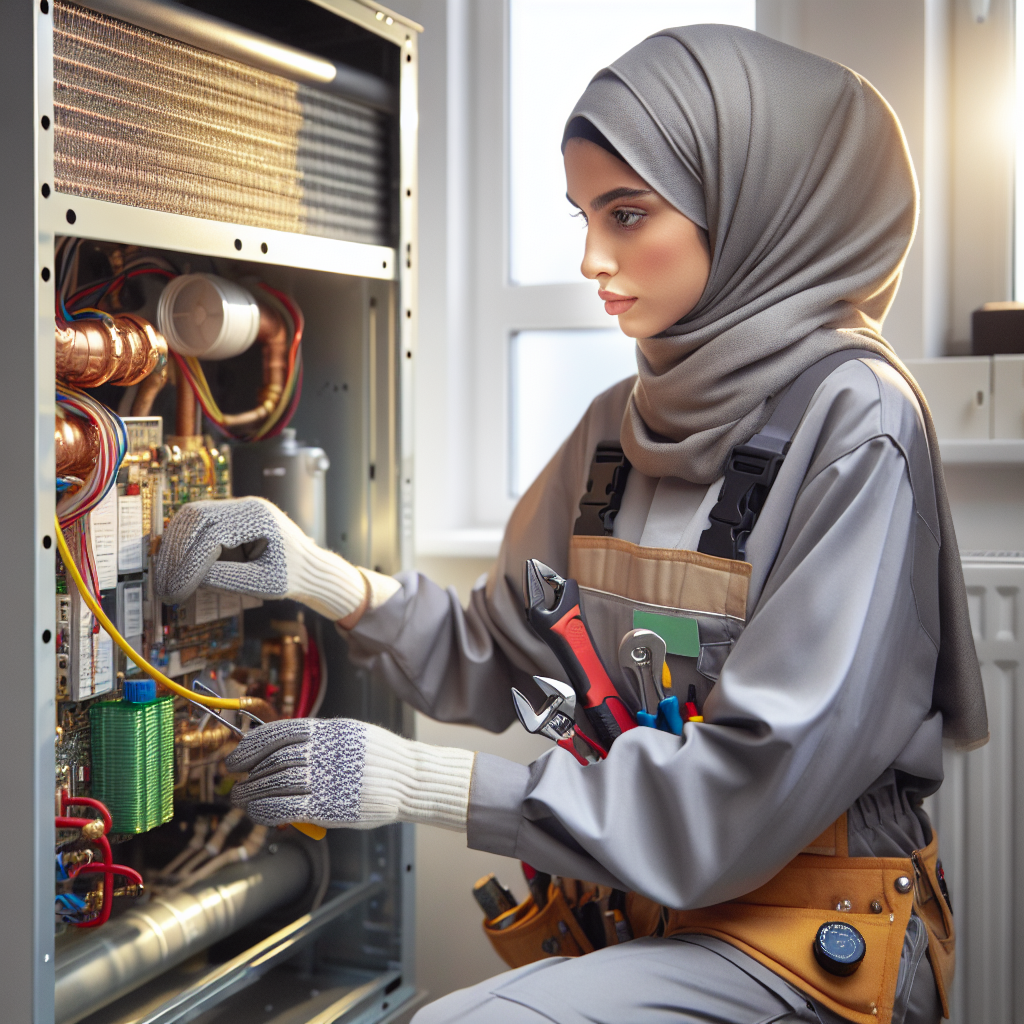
1018,201
554,375
555,48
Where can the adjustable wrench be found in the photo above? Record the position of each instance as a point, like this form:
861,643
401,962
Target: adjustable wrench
564,629
555,718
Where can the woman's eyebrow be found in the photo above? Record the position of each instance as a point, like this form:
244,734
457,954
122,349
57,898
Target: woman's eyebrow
618,193
609,197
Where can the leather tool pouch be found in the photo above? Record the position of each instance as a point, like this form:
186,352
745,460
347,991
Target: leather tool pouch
551,930
932,908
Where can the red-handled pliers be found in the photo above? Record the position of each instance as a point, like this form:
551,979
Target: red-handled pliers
563,627
555,718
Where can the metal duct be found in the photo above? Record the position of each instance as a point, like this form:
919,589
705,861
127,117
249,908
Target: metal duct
144,120
132,949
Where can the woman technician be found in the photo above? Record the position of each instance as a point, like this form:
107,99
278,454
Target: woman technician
749,207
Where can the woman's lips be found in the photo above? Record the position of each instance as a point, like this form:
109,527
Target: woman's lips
616,305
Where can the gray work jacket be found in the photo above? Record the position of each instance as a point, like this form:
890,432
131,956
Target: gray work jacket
823,705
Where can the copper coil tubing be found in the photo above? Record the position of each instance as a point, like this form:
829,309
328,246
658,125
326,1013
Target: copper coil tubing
77,444
120,350
273,337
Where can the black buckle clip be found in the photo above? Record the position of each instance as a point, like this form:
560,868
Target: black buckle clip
607,483
749,475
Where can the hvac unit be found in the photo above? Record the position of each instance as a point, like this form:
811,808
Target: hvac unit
209,291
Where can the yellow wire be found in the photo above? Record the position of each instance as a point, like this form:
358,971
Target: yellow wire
227,703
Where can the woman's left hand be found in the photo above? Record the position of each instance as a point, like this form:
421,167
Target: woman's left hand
339,772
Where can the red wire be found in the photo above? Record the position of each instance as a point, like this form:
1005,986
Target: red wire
113,281
108,868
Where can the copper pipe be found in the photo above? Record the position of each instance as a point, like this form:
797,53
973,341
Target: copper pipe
119,350
288,674
148,390
77,444
273,336
185,406
207,739
260,708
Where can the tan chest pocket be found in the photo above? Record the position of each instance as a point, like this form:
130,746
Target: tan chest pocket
624,585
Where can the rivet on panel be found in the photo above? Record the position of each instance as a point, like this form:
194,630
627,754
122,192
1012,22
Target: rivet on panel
71,216
45,190
45,275
876,907
45,122
844,906
903,884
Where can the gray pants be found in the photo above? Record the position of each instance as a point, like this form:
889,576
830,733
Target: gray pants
693,978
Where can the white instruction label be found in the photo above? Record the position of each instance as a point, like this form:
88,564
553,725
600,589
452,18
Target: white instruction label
207,606
103,646
129,516
103,535
131,612
92,656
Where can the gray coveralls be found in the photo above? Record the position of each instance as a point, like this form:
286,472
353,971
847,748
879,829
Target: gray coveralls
823,705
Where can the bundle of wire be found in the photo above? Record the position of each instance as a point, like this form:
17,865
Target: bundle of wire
78,497
192,371
68,307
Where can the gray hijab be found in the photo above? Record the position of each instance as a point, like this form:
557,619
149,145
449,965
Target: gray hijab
799,172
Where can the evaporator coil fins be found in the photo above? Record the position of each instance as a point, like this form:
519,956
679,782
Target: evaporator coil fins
147,121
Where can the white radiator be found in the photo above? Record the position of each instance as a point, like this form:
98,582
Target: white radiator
979,810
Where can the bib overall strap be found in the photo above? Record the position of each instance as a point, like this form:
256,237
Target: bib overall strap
751,468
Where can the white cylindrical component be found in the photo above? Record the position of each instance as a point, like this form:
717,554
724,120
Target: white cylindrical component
208,317
150,939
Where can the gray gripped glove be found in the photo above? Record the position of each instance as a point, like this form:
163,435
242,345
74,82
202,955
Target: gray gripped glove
249,546
338,772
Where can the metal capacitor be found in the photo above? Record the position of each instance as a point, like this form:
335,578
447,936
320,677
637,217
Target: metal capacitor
288,473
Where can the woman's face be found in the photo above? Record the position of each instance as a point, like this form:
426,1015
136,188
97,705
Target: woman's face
650,262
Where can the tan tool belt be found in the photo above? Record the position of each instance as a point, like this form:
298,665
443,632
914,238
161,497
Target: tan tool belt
775,924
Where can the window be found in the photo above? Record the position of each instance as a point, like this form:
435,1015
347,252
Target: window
508,323
570,367
555,48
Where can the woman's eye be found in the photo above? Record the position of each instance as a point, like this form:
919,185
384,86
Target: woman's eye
628,218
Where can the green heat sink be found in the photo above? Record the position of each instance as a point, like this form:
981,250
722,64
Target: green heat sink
133,761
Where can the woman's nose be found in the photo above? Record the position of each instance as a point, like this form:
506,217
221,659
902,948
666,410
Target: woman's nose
597,258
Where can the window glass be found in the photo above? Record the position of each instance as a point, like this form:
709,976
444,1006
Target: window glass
554,376
555,48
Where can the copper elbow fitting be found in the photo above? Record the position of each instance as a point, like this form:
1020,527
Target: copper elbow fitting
273,337
207,740
77,445
120,350
259,707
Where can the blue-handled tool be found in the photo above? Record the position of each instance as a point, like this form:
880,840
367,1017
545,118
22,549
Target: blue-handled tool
642,658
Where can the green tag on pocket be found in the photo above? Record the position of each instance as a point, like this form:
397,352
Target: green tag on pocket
679,633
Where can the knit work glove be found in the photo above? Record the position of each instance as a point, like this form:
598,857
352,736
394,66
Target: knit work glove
249,546
338,772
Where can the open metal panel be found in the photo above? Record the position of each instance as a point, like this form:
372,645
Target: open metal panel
358,944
